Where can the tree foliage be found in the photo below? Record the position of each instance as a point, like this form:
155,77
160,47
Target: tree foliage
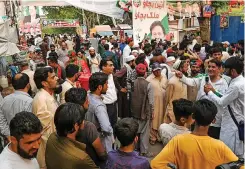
70,12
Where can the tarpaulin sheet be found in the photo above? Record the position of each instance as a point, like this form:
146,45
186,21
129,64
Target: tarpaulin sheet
8,39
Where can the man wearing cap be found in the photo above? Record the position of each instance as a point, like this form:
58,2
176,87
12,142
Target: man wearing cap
226,45
175,90
195,73
168,67
94,60
159,84
142,107
135,53
123,81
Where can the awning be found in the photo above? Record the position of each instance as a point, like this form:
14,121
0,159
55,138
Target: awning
104,30
107,33
103,7
124,26
129,32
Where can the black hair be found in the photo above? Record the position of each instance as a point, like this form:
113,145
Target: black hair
24,123
76,95
204,112
157,52
235,63
184,57
115,45
182,108
241,42
41,74
107,47
97,79
197,48
126,130
71,70
216,50
53,54
53,58
103,62
66,116
181,65
157,23
147,50
52,45
216,62
140,59
20,81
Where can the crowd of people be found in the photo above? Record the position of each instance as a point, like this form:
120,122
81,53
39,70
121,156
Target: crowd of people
187,96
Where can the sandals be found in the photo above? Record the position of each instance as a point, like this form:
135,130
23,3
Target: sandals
152,142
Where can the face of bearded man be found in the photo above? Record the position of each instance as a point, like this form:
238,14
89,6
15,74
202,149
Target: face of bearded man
25,154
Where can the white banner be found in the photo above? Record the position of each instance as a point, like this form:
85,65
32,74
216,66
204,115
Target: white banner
104,7
150,19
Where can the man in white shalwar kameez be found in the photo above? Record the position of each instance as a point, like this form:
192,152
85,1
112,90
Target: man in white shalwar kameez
234,97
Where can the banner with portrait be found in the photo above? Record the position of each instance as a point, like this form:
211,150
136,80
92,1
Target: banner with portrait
150,20
224,20
29,21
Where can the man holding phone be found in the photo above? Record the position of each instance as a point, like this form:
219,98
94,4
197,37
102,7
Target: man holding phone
220,84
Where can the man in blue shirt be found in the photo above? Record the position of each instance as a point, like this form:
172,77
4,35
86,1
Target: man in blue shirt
125,157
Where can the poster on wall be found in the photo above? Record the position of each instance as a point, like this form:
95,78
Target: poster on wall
224,20
207,11
150,20
29,22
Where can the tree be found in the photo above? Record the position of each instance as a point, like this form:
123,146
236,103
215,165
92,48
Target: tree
70,12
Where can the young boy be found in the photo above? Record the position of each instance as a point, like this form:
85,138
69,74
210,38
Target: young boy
182,111
125,157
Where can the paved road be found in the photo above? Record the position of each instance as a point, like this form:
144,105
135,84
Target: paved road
155,149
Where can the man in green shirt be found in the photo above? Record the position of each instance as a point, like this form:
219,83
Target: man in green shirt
62,150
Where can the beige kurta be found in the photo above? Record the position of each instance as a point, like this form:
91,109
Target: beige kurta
175,90
44,106
159,87
65,87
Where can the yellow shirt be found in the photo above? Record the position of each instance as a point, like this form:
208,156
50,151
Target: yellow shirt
188,151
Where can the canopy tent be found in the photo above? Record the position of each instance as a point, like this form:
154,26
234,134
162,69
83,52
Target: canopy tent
104,7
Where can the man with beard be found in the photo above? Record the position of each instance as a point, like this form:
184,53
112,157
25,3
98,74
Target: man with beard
72,76
87,134
25,135
16,102
123,81
97,111
220,85
44,106
94,60
175,90
63,151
